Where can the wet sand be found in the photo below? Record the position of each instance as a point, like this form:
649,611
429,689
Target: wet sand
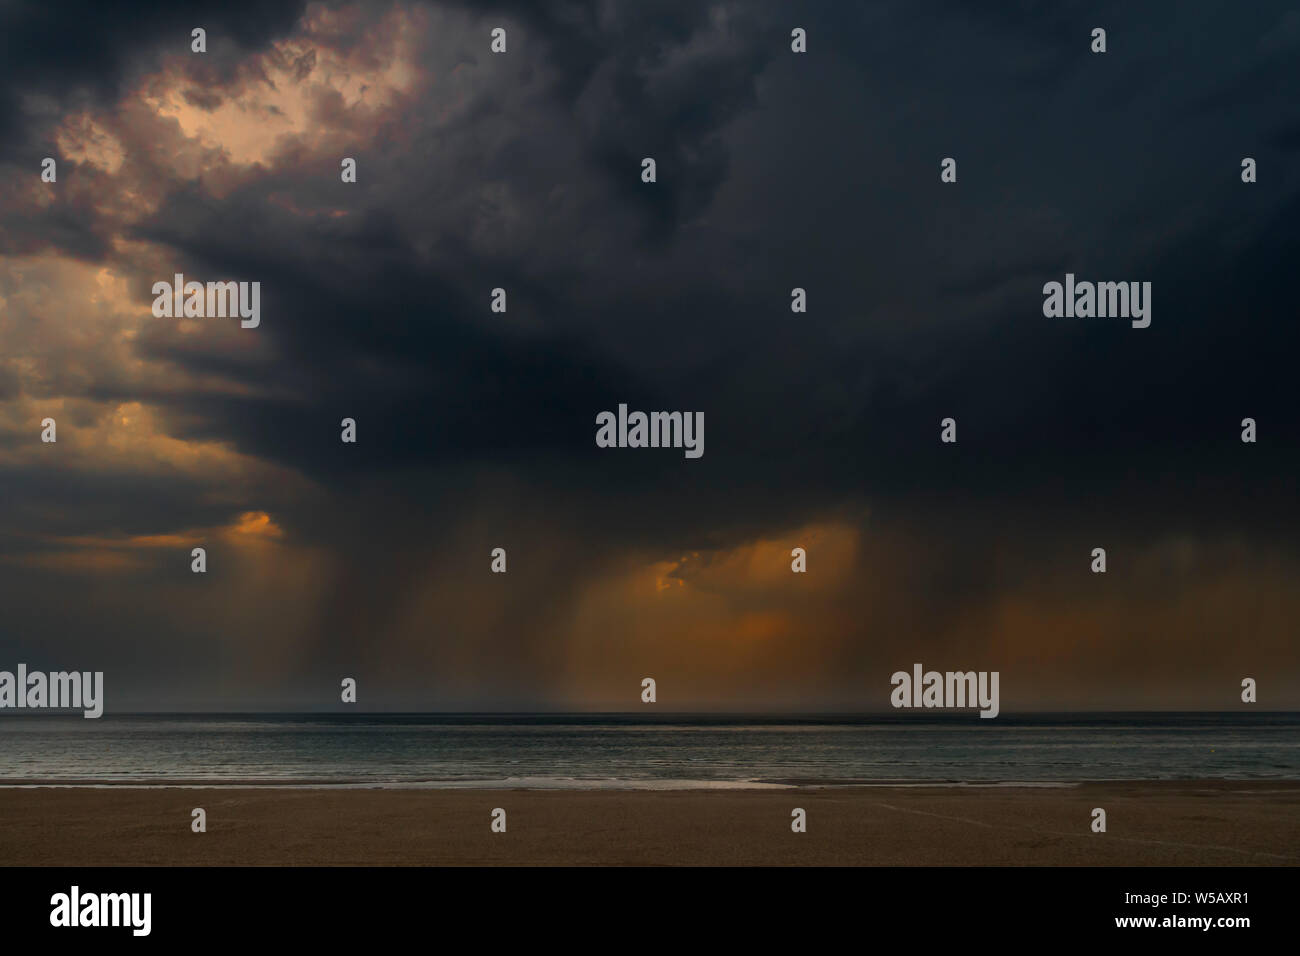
1157,823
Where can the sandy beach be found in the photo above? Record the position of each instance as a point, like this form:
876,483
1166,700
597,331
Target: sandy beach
1158,823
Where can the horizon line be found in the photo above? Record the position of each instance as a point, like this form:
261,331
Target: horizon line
946,713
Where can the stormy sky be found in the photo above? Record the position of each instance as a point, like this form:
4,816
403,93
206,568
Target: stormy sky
476,429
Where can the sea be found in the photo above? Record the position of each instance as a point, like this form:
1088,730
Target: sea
634,751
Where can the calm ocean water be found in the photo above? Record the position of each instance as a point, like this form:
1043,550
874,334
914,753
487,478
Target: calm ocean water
575,751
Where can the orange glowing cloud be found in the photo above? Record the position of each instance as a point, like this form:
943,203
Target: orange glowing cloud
254,526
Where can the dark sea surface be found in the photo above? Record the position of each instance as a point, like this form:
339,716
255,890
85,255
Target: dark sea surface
633,751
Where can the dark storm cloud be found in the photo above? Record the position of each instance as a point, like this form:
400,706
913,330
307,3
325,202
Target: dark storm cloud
85,52
634,82
775,171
